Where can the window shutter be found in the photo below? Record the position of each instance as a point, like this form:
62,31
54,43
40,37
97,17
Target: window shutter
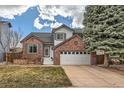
64,35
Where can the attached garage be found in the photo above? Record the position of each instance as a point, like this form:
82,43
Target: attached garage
74,58
71,52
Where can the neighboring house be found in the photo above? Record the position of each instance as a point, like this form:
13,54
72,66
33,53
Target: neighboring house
4,32
63,45
4,29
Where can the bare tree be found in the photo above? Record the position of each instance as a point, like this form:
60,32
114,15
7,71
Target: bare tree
9,39
15,37
5,40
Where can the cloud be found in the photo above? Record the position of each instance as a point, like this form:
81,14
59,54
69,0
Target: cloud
55,25
37,23
46,12
75,12
46,25
10,11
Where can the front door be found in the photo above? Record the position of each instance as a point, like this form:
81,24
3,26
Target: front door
48,55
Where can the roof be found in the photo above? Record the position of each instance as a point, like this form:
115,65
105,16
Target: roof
63,25
78,30
6,22
67,40
45,37
48,38
75,30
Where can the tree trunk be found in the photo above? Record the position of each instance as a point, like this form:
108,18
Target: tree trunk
106,64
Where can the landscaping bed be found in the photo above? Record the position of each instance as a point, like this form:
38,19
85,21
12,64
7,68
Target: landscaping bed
115,68
33,77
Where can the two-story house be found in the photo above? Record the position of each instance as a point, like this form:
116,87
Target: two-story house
63,45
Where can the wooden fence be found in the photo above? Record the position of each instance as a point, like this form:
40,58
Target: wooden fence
11,56
2,57
97,59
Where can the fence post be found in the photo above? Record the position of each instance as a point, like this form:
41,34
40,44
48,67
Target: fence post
93,58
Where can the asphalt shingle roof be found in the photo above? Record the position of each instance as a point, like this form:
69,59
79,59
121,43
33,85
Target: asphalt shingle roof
45,37
48,38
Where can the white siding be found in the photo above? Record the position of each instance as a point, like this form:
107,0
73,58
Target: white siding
68,32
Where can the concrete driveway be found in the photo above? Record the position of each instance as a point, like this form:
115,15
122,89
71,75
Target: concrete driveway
93,76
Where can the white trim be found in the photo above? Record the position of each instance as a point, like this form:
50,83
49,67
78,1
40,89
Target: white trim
75,59
27,47
47,47
56,35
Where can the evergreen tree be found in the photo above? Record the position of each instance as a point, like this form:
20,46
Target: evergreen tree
104,29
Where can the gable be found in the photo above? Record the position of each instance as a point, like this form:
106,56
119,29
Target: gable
63,30
62,26
73,43
32,40
29,38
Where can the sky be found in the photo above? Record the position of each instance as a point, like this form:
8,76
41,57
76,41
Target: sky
41,18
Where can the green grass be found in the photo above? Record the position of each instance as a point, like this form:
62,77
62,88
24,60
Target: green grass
32,77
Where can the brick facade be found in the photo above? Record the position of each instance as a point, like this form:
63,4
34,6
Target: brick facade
20,61
26,61
33,56
74,43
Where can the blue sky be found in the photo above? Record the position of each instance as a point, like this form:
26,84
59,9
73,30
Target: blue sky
47,17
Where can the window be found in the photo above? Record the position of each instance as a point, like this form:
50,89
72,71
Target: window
60,36
32,48
73,52
81,52
61,52
77,52
69,52
65,52
46,51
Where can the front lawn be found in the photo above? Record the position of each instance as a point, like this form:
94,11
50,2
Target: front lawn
32,77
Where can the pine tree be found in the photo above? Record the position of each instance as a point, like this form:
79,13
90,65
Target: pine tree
104,29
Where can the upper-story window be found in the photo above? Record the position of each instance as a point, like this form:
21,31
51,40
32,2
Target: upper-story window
60,36
32,48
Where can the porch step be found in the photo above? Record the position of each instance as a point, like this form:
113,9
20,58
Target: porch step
48,61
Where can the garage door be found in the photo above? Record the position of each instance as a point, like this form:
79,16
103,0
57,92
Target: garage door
74,58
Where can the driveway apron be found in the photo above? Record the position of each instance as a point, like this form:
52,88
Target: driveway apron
93,76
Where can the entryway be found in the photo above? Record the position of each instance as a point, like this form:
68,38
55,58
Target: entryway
48,55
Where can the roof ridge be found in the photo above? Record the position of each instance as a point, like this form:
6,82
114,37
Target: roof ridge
41,32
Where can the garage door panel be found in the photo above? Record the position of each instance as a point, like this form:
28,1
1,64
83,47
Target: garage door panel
75,59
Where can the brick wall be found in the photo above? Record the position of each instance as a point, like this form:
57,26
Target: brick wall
20,61
26,61
32,56
73,44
